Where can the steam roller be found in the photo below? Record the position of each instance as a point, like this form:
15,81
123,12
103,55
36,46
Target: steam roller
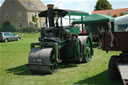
58,43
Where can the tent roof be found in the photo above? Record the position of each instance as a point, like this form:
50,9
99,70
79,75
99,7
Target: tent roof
95,18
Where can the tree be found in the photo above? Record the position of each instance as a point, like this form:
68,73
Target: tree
114,16
103,5
121,14
35,19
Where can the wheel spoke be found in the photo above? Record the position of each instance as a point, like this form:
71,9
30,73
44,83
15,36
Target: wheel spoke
55,65
88,50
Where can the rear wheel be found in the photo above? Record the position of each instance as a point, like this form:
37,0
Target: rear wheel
113,70
6,40
18,38
87,51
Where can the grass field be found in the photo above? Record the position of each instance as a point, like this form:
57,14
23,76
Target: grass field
13,70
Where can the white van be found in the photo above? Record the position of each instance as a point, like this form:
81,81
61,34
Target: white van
121,24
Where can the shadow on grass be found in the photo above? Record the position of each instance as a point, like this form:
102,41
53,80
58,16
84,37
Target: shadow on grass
23,70
20,70
68,65
100,79
2,42
95,45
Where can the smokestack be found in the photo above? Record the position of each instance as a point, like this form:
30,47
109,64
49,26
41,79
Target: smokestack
51,14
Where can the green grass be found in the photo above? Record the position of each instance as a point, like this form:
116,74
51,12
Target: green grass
13,70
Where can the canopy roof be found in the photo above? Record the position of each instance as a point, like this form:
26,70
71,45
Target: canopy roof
95,18
63,13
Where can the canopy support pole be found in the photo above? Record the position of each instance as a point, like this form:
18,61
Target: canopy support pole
61,21
110,30
69,20
46,21
82,23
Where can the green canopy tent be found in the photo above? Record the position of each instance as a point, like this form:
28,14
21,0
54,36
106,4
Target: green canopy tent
95,20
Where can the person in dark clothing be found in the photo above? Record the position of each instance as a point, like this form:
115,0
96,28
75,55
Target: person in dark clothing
101,31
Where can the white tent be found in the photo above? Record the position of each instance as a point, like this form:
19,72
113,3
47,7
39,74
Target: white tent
121,24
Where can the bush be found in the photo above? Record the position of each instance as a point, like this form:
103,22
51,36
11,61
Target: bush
114,16
121,14
29,29
8,27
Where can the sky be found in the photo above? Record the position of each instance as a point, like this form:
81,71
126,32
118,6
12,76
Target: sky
82,5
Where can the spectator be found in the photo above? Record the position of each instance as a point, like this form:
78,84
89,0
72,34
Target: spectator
101,31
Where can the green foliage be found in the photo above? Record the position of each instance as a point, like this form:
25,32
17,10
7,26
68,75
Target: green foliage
114,16
121,14
8,27
29,30
34,19
103,5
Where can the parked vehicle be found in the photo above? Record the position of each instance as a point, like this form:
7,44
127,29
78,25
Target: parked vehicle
58,43
8,36
117,40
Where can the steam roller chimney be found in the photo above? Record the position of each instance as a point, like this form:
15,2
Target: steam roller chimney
51,14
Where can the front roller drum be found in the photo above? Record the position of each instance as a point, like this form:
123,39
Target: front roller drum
43,60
